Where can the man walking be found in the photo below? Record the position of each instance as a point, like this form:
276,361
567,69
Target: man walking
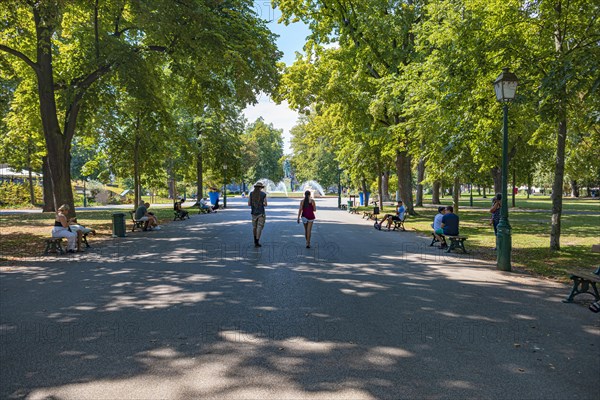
258,201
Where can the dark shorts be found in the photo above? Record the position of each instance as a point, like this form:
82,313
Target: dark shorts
395,218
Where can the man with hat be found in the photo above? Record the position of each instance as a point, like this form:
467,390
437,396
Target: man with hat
258,201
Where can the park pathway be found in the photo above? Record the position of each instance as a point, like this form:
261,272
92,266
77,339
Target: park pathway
195,311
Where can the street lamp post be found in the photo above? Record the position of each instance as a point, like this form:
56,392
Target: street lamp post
506,88
339,188
224,185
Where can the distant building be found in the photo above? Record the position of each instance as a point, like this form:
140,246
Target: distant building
7,174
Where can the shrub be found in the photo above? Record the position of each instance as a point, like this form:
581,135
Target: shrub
14,194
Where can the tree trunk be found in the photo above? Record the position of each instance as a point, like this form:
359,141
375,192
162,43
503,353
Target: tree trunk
380,187
385,186
435,196
363,184
403,161
136,165
528,185
171,183
58,146
496,173
30,175
478,190
47,187
514,185
484,195
456,194
420,177
557,186
199,182
574,188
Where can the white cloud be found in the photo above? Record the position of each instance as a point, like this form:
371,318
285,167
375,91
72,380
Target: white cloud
280,115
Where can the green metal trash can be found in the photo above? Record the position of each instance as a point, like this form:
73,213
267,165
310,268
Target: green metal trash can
118,225
350,204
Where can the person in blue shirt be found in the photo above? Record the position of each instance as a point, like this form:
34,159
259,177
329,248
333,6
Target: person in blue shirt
400,211
449,227
450,222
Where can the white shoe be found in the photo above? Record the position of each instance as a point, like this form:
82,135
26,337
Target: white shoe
157,227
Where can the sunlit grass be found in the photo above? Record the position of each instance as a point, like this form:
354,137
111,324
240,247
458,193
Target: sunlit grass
23,235
530,233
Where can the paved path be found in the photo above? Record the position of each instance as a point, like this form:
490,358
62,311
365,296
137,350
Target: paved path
194,311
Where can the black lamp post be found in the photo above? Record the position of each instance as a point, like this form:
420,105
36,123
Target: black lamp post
224,185
339,188
506,88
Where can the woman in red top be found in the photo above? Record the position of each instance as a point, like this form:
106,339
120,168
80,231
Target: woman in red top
307,212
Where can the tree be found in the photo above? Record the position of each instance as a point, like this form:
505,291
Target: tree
68,55
563,54
377,40
263,152
314,156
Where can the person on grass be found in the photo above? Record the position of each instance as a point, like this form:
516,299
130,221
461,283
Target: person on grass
257,200
307,213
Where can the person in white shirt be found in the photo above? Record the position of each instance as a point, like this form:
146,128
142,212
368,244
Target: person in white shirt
206,205
437,225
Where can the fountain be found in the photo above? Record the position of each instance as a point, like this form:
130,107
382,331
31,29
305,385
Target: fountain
313,186
271,187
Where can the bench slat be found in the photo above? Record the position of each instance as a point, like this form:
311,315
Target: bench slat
590,276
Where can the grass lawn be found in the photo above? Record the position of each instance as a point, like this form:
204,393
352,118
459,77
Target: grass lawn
530,232
21,235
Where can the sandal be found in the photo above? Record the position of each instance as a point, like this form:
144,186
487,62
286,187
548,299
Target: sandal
595,307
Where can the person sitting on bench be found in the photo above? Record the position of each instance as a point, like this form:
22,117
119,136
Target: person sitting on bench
61,229
400,210
142,214
437,226
206,205
181,213
450,223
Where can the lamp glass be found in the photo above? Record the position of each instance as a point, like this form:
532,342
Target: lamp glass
506,86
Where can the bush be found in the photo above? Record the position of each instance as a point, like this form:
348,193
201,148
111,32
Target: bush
17,194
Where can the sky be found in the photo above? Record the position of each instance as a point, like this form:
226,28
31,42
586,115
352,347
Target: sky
291,40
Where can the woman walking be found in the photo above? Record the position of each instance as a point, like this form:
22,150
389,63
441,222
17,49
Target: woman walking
307,212
495,210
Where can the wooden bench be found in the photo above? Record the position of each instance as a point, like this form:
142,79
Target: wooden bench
434,239
399,225
179,213
54,245
203,210
137,224
84,240
456,242
583,280
353,210
343,206
367,214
